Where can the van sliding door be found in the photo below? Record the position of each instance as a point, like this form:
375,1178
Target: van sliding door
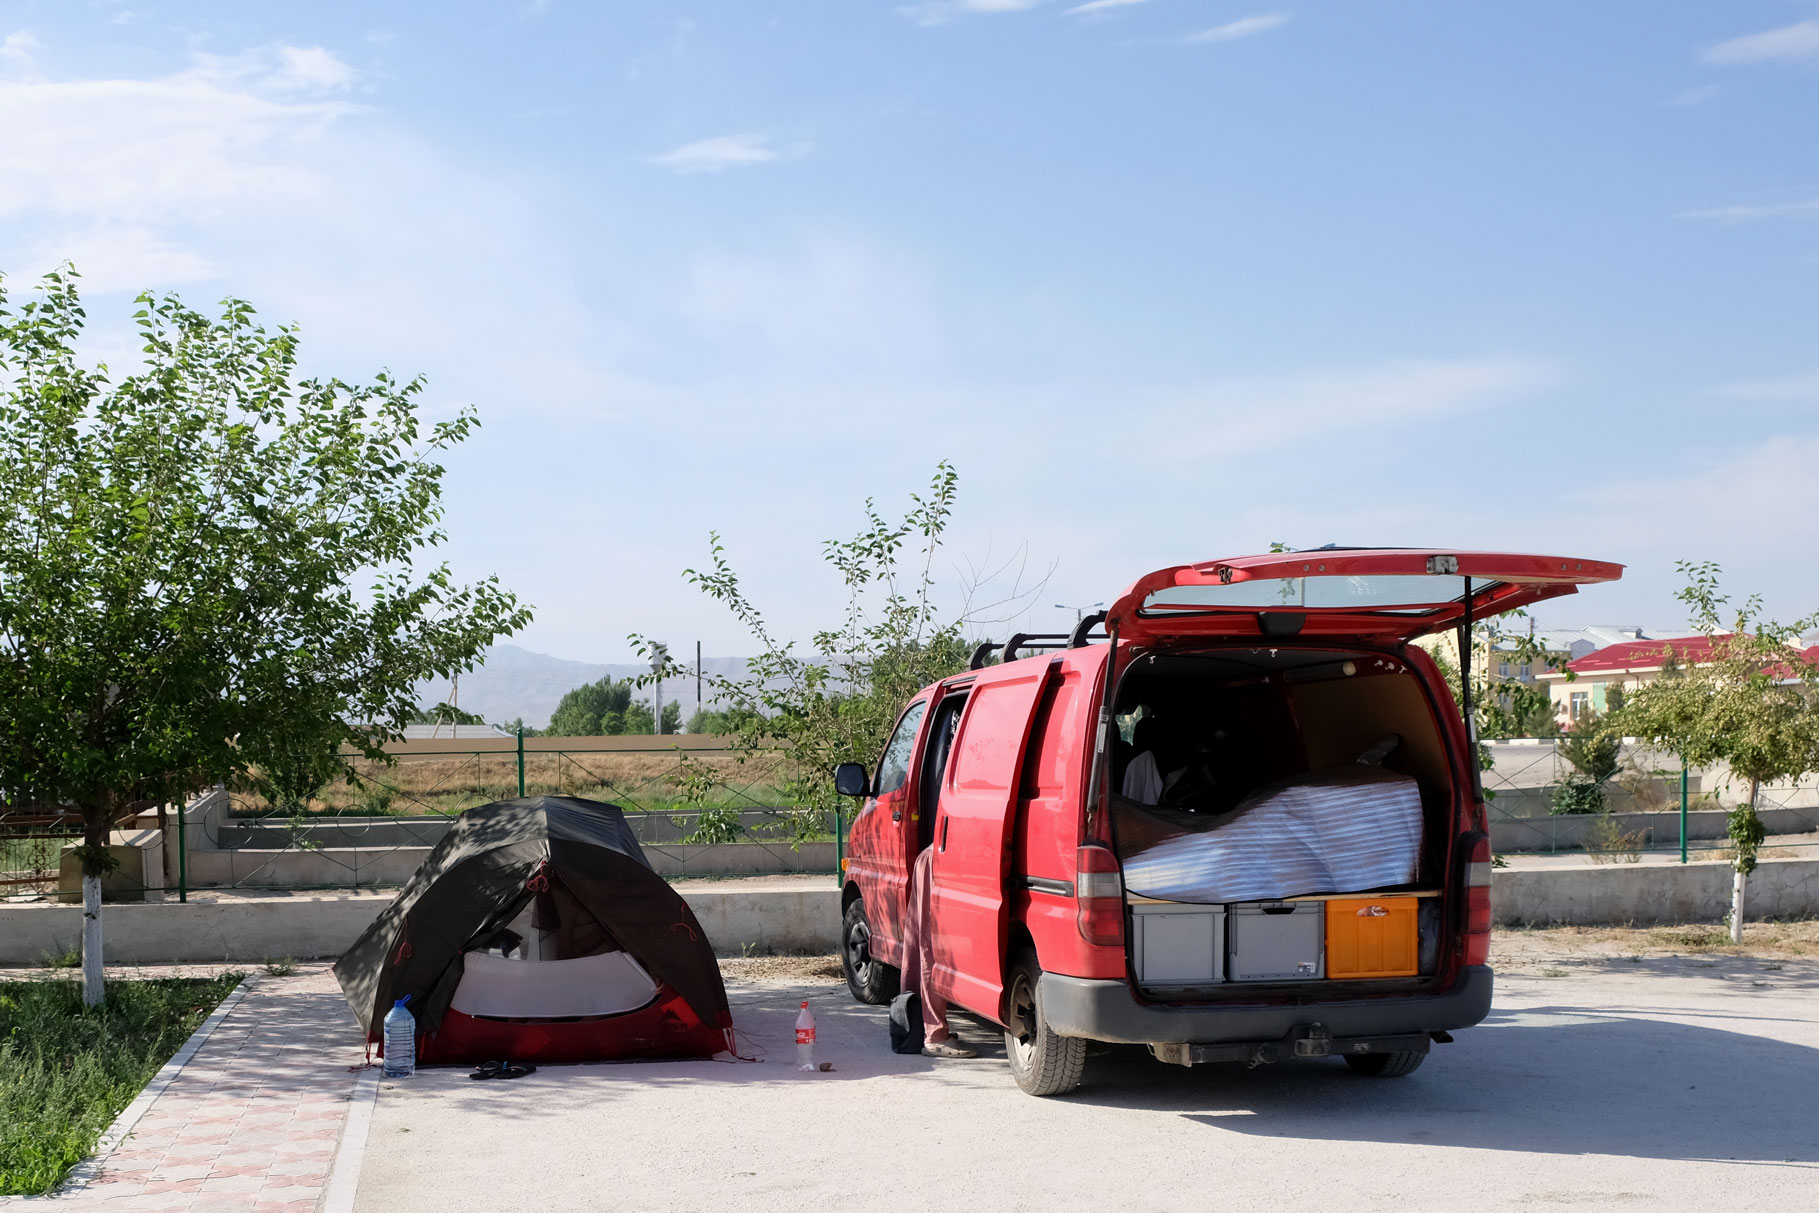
969,910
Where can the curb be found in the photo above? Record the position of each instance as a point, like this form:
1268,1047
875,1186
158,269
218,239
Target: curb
84,1172
344,1174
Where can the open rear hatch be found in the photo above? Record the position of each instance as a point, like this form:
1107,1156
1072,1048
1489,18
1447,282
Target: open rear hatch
1367,593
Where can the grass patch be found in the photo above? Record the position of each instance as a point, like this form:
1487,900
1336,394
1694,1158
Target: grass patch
67,1071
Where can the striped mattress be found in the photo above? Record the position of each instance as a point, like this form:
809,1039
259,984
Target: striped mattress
1341,830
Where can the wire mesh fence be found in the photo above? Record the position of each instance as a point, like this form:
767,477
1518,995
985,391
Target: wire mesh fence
700,808
1649,805
697,807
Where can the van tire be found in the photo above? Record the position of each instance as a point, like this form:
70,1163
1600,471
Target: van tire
1385,1065
1041,1062
871,980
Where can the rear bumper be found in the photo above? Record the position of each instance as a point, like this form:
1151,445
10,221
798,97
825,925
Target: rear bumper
1099,1009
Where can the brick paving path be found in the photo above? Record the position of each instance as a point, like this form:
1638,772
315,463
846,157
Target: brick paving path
251,1123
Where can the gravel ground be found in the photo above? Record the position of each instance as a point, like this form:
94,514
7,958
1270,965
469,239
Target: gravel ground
1618,1069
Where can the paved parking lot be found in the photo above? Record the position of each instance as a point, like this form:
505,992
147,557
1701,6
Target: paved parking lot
1604,1081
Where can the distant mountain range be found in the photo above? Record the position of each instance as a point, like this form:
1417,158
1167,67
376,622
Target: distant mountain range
514,682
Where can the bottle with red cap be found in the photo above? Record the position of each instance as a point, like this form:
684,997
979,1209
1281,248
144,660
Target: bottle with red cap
805,1039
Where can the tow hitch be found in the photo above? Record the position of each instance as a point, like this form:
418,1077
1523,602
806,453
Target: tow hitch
1308,1040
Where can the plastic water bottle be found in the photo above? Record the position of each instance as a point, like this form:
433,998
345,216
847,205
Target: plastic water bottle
805,1039
401,1040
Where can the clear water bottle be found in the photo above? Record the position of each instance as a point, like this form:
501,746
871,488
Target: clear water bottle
805,1039
401,1041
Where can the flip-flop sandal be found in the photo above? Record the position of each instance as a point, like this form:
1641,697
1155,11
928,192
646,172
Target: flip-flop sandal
501,1069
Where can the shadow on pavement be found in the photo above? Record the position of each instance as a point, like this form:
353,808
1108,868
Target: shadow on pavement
1556,1080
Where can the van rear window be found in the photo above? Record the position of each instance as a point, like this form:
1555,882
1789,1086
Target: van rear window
1401,595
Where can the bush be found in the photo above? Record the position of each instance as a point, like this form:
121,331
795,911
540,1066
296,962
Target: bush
1578,794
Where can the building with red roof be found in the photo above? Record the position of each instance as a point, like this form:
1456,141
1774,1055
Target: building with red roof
1629,664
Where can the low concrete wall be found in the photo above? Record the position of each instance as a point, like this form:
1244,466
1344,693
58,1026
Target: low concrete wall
1567,832
368,867
247,930
1649,894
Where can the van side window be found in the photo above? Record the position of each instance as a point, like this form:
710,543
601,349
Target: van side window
893,768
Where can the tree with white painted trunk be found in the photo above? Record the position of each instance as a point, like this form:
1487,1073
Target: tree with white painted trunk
211,570
1752,703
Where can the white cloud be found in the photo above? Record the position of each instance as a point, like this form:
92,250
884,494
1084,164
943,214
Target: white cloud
722,152
940,12
115,257
1244,27
1797,43
1096,7
20,47
280,70
311,69
129,152
1799,388
1745,213
833,302
1695,96
1252,413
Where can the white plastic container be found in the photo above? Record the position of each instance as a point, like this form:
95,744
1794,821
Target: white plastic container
1277,941
1176,945
805,1039
400,1032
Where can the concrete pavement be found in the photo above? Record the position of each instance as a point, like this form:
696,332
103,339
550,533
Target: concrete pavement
1678,1083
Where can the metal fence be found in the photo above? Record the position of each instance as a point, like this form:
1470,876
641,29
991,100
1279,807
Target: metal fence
1652,805
697,807
700,809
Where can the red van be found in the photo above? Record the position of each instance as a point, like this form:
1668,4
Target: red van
1242,823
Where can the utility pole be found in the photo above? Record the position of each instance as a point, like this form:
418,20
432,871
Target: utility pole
697,677
659,658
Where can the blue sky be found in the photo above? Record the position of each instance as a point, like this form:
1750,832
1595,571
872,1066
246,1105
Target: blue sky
1167,280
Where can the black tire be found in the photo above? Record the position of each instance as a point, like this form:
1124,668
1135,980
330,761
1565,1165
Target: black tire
1385,1065
1041,1062
871,980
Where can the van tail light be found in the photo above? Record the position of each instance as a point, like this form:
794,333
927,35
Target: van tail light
1099,893
1478,899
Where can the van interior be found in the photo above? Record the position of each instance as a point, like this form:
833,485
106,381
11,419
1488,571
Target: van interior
1269,771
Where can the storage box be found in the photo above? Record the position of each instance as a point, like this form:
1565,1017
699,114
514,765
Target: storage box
1174,944
1372,937
1276,941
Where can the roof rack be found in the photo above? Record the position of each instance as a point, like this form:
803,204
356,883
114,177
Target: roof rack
1081,635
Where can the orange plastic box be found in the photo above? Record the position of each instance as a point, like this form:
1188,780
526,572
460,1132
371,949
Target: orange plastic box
1372,937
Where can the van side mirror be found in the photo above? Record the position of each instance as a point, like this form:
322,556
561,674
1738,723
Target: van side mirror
850,779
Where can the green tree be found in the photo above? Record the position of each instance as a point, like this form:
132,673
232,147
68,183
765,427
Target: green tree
444,713
597,709
1751,705
836,700
210,569
711,721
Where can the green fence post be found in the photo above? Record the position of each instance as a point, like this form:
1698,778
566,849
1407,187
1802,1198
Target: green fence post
520,762
182,853
1683,811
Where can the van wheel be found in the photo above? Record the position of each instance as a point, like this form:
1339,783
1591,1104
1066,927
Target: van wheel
1041,1062
1385,1065
870,979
